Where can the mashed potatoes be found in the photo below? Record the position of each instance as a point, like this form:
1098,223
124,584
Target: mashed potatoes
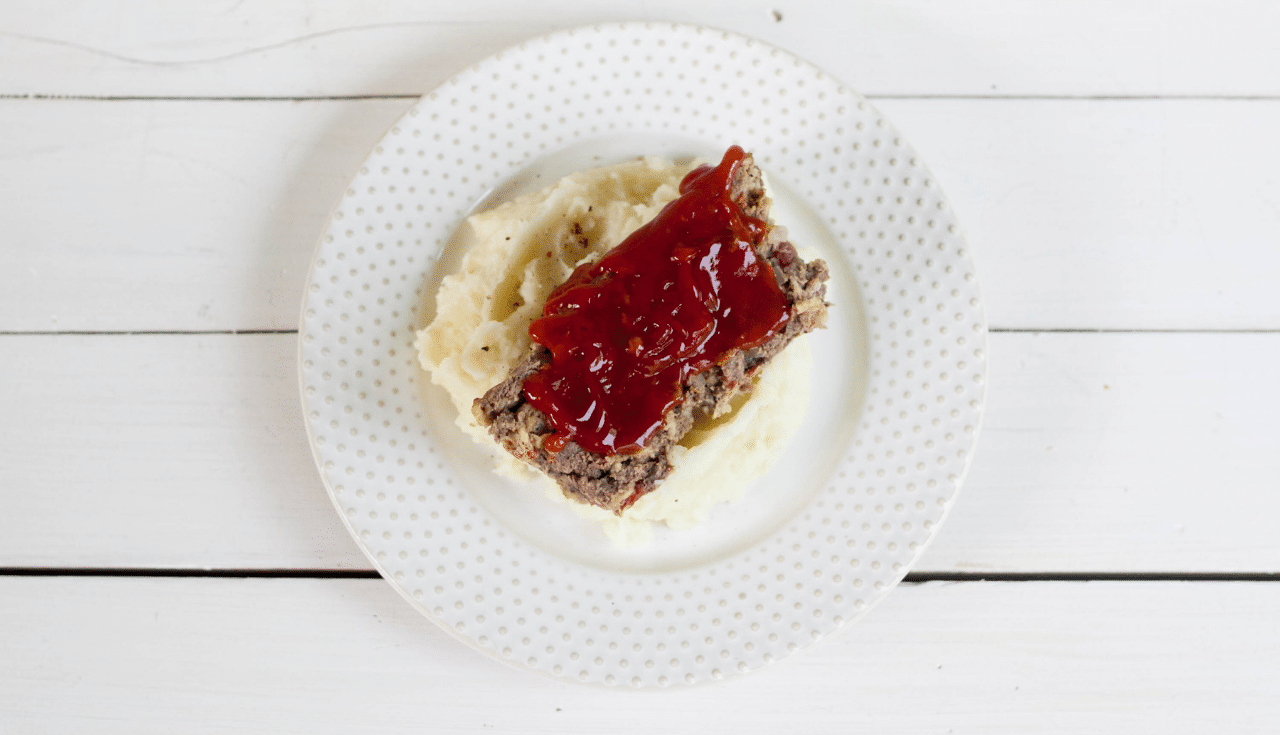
516,254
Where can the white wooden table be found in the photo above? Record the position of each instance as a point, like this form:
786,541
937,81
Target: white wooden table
169,561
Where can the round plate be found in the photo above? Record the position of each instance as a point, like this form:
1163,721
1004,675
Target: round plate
898,381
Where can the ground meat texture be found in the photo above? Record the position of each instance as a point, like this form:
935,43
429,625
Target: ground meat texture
614,482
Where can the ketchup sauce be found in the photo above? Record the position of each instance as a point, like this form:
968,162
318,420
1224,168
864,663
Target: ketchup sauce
673,299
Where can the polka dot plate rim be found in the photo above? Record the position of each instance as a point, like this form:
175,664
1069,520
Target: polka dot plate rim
823,537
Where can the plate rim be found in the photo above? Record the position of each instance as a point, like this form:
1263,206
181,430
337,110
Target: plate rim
491,652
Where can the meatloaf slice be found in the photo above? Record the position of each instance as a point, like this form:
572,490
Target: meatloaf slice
614,482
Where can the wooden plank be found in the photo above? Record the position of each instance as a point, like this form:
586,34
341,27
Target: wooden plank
148,451
295,48
1099,452
1122,452
294,656
187,215
204,215
1112,215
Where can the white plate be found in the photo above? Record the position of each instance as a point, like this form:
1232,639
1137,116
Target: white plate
898,381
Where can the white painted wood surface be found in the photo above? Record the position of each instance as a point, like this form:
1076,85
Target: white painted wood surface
1082,213
189,215
1112,164
1099,453
916,47
334,656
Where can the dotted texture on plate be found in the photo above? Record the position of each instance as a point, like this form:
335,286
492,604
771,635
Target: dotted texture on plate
415,518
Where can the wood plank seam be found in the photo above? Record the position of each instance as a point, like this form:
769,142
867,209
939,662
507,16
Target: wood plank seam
911,578
207,98
141,332
417,95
